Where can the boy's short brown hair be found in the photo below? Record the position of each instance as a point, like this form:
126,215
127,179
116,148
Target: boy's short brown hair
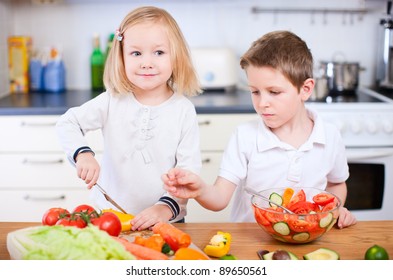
284,51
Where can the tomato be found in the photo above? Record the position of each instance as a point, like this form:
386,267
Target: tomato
298,225
73,220
84,208
303,207
299,196
323,198
260,217
52,215
329,207
109,222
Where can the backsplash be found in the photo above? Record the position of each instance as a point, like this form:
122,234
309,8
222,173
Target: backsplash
70,25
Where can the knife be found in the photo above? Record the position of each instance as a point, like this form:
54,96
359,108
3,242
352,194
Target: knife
108,198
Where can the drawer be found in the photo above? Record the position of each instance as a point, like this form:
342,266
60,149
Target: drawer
31,170
215,130
30,206
36,133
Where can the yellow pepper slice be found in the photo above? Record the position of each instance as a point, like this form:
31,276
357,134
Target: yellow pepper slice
125,219
219,245
287,195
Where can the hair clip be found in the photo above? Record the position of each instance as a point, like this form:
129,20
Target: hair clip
119,35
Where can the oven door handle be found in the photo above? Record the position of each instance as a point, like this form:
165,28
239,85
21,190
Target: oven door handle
356,154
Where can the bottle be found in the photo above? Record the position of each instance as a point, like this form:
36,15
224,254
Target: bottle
36,72
97,61
54,72
109,45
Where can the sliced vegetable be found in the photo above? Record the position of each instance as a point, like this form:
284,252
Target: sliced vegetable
322,254
287,195
325,221
303,207
141,252
301,236
282,228
276,198
175,237
155,242
228,257
219,245
299,196
125,219
280,255
189,254
323,198
260,253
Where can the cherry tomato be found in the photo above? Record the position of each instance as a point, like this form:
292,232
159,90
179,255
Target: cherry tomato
109,222
84,208
52,215
299,196
73,220
303,207
323,198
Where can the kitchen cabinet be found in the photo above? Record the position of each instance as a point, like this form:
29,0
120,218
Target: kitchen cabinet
36,174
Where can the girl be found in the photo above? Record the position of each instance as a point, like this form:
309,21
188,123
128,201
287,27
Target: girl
147,123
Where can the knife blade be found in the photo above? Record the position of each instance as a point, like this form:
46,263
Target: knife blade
108,198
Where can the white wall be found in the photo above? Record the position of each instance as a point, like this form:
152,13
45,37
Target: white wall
230,23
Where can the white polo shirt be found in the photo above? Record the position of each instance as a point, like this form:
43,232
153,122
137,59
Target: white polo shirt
255,157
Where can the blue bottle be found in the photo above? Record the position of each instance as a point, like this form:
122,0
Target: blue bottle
54,73
36,74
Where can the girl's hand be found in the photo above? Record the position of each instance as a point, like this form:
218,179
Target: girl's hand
87,168
182,183
345,218
150,216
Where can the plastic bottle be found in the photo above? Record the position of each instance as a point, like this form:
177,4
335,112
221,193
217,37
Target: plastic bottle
54,73
36,72
97,61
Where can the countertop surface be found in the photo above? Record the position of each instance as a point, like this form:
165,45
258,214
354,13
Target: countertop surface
247,238
213,102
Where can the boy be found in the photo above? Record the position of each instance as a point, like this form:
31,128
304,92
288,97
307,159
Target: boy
290,147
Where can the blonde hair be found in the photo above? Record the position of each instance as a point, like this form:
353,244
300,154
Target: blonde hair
184,78
284,51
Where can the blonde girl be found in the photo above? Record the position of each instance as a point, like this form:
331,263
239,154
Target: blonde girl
147,122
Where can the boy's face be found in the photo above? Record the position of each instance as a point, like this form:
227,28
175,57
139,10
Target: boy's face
275,98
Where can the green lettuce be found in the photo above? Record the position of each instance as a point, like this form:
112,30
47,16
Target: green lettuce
65,243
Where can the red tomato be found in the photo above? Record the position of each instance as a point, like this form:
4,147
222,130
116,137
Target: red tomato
299,196
301,225
84,208
109,222
260,217
52,215
329,207
323,198
75,221
303,207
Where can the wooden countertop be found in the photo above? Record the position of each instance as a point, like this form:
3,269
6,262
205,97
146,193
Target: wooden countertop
351,243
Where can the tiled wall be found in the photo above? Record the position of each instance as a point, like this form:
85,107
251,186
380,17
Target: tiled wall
214,23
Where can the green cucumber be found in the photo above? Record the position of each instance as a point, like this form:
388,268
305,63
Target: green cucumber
322,254
276,198
325,221
301,236
281,228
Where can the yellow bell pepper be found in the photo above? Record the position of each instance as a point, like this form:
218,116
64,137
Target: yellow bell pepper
125,219
219,245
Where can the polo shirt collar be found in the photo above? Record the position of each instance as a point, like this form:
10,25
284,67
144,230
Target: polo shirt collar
267,140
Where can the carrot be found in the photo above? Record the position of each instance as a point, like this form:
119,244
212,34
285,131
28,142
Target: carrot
141,252
155,241
173,236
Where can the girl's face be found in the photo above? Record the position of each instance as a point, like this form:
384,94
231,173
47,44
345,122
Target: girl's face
147,58
275,98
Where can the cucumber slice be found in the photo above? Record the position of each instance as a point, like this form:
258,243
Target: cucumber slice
301,236
276,198
322,254
325,221
281,228
269,256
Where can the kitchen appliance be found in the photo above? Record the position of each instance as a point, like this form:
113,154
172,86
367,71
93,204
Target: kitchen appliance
365,121
384,73
216,68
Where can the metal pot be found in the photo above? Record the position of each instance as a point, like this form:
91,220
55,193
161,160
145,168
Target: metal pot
342,77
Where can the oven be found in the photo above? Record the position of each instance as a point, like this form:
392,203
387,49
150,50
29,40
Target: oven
365,122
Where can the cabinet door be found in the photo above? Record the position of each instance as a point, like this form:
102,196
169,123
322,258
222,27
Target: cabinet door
210,166
197,214
215,130
30,205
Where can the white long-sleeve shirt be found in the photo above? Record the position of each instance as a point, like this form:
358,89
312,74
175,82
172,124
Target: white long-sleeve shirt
140,144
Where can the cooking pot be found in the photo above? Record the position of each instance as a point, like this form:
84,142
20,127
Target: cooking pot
342,78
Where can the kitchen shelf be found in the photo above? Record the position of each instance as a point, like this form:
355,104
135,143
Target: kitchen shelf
258,10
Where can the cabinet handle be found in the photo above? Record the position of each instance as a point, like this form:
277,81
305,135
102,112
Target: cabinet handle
206,160
37,198
25,123
204,122
37,162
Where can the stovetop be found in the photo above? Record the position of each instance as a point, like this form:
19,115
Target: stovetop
362,95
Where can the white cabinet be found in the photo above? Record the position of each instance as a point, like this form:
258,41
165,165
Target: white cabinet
215,129
36,175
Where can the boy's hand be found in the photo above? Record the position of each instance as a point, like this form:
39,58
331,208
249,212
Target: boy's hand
182,183
345,218
87,168
150,216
